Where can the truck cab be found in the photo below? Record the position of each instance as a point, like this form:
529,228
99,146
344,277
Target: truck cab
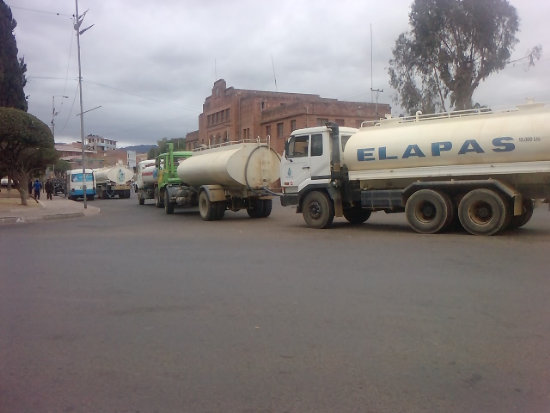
309,160
168,181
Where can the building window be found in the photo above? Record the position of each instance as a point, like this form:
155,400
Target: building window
321,121
293,125
268,131
280,130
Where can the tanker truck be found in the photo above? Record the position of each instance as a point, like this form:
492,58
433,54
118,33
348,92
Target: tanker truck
231,176
146,180
112,181
479,168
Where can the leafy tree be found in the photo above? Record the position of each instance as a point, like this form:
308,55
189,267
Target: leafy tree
26,147
453,45
153,152
162,147
12,70
62,166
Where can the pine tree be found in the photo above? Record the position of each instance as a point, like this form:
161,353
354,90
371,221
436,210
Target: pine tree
12,69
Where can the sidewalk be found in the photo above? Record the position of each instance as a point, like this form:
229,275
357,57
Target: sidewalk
58,208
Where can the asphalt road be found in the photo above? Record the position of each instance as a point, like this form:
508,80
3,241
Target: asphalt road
137,311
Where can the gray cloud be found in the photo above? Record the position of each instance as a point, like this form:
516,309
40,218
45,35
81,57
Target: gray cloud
150,65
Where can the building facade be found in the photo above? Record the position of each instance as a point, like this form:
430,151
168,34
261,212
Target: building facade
100,144
231,114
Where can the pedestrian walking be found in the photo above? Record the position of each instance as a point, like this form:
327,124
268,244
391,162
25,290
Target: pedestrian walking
37,188
49,188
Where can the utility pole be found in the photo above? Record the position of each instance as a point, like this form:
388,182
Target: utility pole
77,23
378,91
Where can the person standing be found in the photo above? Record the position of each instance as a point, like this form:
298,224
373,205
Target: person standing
49,188
37,188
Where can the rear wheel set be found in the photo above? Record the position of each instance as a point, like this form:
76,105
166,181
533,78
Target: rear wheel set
481,211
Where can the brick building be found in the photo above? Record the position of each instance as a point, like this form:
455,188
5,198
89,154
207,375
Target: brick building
231,114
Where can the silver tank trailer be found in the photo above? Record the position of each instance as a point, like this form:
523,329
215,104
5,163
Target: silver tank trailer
117,174
521,135
242,165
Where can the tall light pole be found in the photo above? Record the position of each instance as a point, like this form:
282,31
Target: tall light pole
78,22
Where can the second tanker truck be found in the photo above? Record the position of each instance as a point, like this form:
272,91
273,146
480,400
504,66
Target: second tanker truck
481,168
113,181
231,177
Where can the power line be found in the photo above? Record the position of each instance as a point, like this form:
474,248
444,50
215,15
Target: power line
40,11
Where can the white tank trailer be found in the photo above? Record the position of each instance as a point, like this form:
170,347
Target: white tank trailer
481,168
146,179
228,177
112,181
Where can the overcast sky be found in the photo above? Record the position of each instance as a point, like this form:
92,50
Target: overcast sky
150,64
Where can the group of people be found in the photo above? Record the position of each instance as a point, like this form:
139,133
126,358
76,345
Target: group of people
36,186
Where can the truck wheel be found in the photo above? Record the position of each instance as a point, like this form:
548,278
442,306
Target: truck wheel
268,206
429,211
159,201
356,215
483,212
318,210
168,206
220,209
207,209
520,220
254,208
259,208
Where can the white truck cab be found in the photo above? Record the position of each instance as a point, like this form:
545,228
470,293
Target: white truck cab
308,156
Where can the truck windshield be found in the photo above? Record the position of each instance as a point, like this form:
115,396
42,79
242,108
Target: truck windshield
78,177
298,146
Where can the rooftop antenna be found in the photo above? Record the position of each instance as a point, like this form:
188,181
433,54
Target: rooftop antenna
215,70
378,91
274,77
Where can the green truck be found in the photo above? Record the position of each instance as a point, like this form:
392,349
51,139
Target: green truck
167,177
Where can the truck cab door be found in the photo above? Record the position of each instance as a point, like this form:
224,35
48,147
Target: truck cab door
306,159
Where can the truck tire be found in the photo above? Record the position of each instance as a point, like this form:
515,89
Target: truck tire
168,206
268,206
318,210
159,201
483,212
356,215
520,220
220,210
429,211
259,208
207,210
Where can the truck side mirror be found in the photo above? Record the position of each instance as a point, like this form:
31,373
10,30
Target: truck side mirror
286,148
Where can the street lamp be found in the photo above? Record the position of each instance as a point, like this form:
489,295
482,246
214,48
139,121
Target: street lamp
77,23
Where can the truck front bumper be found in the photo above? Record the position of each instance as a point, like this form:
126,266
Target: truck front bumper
289,199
